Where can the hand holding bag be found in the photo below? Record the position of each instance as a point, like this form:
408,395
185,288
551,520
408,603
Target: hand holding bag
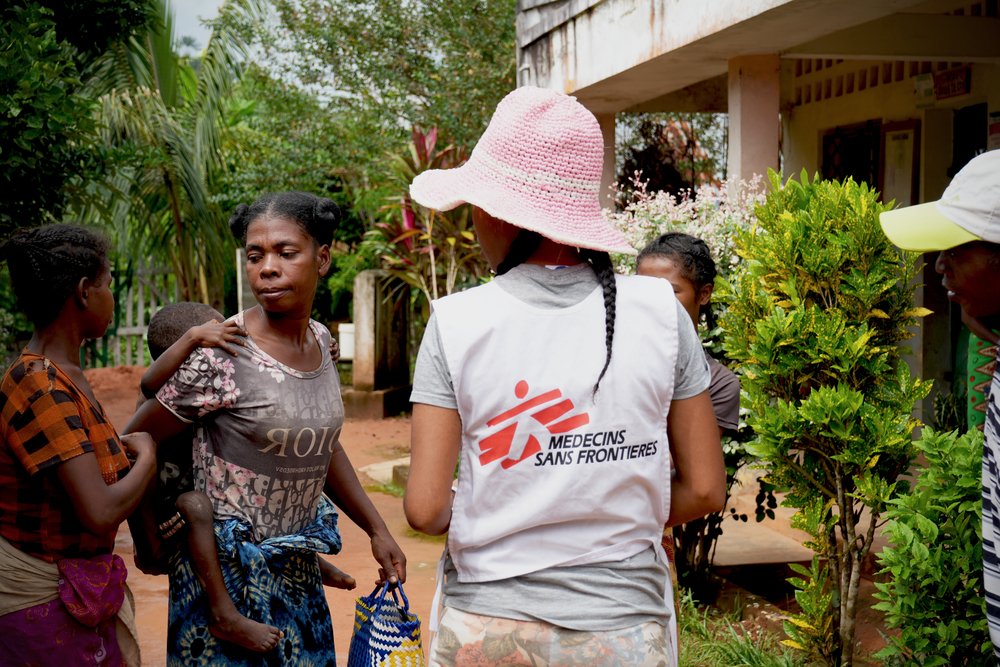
385,632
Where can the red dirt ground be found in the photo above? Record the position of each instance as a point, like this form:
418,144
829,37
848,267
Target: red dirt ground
365,442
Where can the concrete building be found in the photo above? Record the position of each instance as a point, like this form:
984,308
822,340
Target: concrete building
896,93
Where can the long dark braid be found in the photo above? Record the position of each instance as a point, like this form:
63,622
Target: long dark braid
601,263
521,248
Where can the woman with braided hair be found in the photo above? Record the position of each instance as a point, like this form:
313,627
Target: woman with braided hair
686,262
571,394
268,447
65,480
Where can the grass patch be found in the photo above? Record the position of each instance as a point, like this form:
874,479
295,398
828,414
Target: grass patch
710,639
389,489
346,371
440,539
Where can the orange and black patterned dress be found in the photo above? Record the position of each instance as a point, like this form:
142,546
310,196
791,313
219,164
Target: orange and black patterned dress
45,420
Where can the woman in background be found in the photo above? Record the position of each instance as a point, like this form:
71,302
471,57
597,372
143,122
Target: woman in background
65,481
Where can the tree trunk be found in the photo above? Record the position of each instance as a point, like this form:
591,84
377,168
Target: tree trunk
183,266
849,570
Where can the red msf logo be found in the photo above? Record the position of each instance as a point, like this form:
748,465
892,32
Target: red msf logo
497,446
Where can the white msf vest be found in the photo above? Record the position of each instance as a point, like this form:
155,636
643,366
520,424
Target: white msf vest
551,475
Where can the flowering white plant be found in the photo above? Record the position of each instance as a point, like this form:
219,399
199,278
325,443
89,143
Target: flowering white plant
710,214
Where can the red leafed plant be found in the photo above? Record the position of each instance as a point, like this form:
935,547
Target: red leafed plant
433,252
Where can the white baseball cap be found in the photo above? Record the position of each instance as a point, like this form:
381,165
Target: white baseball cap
969,210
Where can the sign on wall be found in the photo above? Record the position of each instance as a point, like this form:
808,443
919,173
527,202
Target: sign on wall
931,88
953,83
923,90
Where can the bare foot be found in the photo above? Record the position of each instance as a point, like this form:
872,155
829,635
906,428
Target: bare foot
239,629
335,578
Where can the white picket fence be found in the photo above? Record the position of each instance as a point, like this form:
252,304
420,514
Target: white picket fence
152,288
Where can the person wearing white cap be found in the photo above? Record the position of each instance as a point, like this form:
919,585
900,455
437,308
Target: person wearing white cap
965,226
573,394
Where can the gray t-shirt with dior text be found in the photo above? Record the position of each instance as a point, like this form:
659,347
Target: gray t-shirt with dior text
267,432
592,598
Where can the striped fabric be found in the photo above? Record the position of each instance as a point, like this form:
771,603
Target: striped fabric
44,421
386,634
991,513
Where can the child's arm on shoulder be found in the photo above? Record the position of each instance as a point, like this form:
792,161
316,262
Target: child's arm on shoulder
210,334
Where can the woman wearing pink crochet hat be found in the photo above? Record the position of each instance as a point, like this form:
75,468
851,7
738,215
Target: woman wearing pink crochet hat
578,401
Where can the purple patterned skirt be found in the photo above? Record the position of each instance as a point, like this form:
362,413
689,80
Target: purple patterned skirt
78,627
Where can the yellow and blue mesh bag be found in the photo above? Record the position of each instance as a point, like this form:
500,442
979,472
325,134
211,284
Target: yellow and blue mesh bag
386,634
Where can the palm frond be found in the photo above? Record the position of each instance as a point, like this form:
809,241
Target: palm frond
221,68
168,209
163,60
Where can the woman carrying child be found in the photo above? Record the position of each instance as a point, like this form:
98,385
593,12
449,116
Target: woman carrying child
571,393
267,445
175,512
65,481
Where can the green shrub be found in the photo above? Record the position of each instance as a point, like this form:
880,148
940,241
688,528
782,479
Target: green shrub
434,252
814,319
48,135
936,594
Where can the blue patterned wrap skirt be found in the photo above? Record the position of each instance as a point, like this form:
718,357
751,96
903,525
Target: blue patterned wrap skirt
277,582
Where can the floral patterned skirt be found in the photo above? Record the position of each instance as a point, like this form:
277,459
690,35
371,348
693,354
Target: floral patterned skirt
471,640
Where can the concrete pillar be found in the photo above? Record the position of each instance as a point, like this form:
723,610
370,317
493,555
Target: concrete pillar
607,123
381,365
754,99
931,343
244,295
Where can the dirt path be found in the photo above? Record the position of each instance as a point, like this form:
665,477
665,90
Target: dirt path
366,442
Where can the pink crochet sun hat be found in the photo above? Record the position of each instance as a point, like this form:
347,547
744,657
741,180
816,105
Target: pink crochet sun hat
537,166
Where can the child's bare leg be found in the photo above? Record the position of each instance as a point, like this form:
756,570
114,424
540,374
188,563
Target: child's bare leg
334,577
226,622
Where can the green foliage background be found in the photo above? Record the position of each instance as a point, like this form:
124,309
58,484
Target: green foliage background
673,151
936,594
384,66
49,148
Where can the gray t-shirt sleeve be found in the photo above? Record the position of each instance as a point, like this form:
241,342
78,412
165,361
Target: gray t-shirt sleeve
691,373
431,377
